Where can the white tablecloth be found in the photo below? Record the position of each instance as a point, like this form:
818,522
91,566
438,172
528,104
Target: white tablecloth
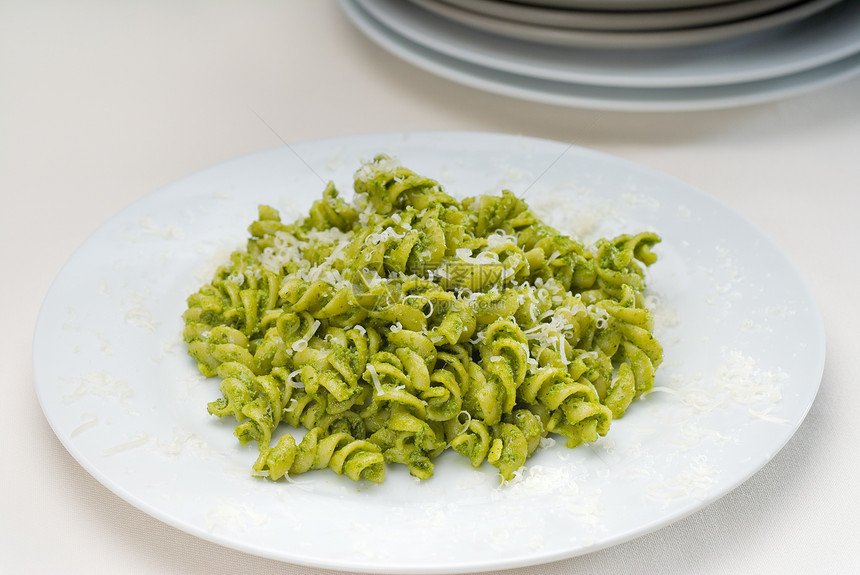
104,102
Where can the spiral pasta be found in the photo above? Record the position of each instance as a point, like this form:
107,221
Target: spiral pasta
403,323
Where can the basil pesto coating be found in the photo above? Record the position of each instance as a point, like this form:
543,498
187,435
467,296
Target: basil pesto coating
405,322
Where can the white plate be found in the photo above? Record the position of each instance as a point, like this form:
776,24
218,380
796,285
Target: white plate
596,96
823,39
632,21
744,352
596,39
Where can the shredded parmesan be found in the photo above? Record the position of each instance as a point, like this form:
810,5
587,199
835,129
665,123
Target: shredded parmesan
295,384
90,420
375,377
141,440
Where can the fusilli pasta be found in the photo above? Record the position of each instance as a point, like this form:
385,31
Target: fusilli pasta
405,322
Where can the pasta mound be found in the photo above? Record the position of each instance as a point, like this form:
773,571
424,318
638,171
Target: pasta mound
406,322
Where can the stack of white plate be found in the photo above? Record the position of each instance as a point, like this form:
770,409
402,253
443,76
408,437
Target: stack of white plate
644,55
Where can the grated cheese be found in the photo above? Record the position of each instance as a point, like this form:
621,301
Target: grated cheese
375,377
89,420
295,384
141,440
233,515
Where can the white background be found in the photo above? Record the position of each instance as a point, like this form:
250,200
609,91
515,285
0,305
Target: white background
103,102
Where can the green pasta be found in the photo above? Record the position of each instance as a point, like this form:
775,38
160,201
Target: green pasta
405,322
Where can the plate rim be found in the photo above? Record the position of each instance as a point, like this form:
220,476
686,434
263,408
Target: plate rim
619,20
624,4
621,41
